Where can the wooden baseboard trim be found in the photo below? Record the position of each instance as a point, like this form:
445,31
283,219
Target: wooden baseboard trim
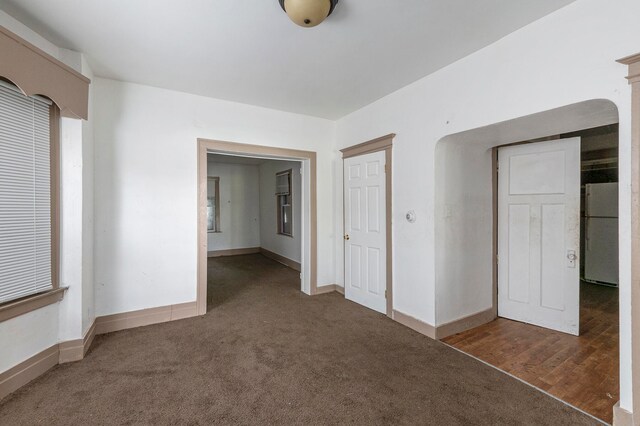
415,324
88,338
464,324
284,260
126,320
75,350
324,289
71,351
253,250
18,376
183,311
621,417
233,252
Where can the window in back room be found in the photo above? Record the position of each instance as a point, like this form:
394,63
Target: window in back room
213,204
284,203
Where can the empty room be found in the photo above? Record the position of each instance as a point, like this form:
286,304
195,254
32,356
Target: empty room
254,226
320,212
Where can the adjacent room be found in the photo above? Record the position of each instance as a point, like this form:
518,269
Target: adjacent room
254,218
320,212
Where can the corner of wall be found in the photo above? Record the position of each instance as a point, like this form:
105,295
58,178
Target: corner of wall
17,27
88,152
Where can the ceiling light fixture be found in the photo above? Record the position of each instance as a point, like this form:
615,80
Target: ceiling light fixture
308,13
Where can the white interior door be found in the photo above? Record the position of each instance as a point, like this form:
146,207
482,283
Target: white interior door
365,230
539,234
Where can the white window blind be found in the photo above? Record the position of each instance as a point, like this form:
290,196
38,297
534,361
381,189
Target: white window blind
283,183
25,195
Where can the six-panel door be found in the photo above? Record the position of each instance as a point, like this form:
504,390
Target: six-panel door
365,230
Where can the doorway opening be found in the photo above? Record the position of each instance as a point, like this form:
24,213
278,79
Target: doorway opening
580,370
254,210
254,201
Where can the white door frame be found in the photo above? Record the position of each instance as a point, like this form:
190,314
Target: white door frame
309,258
384,143
620,415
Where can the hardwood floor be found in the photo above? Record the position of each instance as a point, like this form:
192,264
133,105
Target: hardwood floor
583,371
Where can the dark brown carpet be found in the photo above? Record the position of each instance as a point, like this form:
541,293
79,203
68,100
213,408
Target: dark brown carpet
267,354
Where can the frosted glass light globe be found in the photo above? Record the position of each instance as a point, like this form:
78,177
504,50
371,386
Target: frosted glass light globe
307,13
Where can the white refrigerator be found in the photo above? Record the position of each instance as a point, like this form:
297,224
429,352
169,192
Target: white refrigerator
601,233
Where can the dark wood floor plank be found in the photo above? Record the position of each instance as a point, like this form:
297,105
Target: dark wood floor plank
582,370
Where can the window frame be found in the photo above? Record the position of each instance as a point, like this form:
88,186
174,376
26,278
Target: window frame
279,197
24,305
216,219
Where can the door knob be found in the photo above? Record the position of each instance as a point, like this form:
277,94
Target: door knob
346,237
572,257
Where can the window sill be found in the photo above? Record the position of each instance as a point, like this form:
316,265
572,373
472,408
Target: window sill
214,232
284,235
30,303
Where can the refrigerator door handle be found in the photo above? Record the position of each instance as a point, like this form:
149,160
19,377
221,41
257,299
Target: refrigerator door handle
586,233
587,201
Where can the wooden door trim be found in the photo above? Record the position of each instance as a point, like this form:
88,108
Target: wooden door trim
384,143
223,147
374,145
633,62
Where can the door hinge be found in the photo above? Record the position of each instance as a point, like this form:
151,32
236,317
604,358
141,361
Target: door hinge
497,259
385,294
385,168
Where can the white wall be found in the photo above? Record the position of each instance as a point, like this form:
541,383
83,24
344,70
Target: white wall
289,247
70,316
464,201
76,191
24,336
248,207
146,186
88,293
564,58
239,206
32,37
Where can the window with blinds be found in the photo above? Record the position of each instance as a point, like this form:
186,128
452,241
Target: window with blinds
284,203
213,204
283,183
25,195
